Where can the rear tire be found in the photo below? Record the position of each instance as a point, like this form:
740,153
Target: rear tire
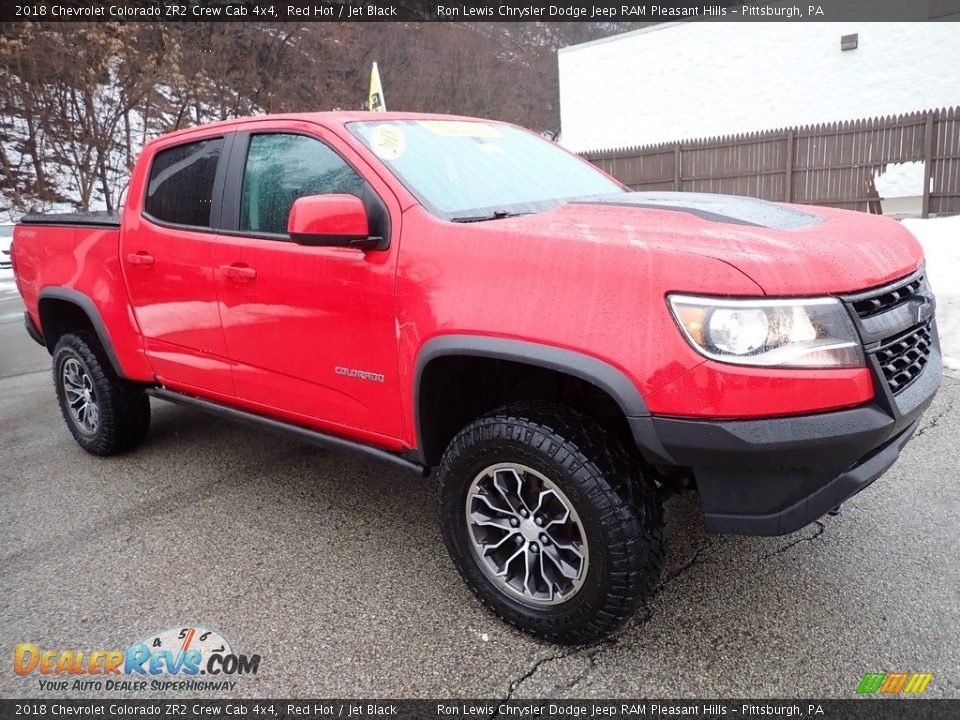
585,577
106,414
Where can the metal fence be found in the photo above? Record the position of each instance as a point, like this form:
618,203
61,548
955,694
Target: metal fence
832,164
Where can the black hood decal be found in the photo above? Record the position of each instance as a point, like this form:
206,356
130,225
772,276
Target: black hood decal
730,209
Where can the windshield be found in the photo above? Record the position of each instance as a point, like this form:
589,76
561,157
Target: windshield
471,171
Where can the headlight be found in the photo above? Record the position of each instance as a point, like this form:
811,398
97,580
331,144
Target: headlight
793,333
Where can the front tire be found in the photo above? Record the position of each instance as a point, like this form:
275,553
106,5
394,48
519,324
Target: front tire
549,522
106,414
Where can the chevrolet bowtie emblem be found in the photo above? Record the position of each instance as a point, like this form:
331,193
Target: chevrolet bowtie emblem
925,309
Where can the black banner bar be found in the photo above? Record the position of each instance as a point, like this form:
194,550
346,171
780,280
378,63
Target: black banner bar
469,10
873,708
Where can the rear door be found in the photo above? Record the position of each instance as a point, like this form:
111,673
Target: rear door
166,257
311,330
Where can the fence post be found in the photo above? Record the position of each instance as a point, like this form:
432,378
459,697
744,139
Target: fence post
927,163
788,177
676,167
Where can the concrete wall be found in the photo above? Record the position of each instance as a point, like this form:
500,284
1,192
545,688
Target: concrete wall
688,80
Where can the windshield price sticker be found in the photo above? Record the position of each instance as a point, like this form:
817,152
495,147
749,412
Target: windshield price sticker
460,129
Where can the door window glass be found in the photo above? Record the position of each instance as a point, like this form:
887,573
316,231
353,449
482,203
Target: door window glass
281,168
180,189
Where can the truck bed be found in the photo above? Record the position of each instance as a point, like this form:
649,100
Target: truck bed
88,219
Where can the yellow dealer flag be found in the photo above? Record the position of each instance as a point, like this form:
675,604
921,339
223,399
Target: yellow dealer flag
376,101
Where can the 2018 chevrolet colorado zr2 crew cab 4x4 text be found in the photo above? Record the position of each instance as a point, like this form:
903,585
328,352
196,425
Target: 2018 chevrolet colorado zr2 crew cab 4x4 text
451,293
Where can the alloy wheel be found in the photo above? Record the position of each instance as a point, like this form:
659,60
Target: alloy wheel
526,534
81,396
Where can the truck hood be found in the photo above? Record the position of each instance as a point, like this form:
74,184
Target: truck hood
785,249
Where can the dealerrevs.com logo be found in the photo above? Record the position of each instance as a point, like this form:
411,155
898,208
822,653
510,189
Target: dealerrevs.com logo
187,658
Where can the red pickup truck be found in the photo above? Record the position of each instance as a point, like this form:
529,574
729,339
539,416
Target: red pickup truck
451,293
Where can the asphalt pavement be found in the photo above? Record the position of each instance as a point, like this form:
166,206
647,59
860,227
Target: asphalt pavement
330,567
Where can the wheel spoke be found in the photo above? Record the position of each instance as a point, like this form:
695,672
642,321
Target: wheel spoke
560,520
541,498
565,546
514,498
502,572
489,548
531,565
565,568
493,516
489,521
93,415
549,583
485,499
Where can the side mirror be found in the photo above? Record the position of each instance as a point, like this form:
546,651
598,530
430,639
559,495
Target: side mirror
331,221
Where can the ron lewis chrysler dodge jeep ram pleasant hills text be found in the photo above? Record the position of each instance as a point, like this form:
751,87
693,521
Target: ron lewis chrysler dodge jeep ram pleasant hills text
464,296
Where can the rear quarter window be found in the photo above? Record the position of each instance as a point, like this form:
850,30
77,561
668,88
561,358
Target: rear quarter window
180,189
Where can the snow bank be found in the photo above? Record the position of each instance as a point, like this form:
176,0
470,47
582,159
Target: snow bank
940,238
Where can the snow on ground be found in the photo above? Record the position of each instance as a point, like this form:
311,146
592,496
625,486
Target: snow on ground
940,238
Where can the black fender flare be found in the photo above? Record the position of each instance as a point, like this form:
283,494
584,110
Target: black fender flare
571,362
89,308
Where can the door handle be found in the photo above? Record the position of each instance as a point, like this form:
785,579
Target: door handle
238,272
140,258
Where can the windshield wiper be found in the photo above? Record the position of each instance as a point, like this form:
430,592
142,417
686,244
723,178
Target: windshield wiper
495,215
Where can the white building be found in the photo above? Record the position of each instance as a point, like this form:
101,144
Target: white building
688,80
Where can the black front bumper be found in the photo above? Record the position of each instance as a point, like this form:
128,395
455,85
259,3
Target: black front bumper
775,475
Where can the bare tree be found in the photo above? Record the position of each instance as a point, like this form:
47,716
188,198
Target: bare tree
79,100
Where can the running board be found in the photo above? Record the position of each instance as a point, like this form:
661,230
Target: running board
278,427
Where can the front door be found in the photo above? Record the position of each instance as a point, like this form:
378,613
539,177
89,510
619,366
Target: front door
311,330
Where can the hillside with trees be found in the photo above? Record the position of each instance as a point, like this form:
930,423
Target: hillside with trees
78,100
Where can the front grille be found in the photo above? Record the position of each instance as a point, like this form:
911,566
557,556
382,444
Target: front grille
868,307
903,357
